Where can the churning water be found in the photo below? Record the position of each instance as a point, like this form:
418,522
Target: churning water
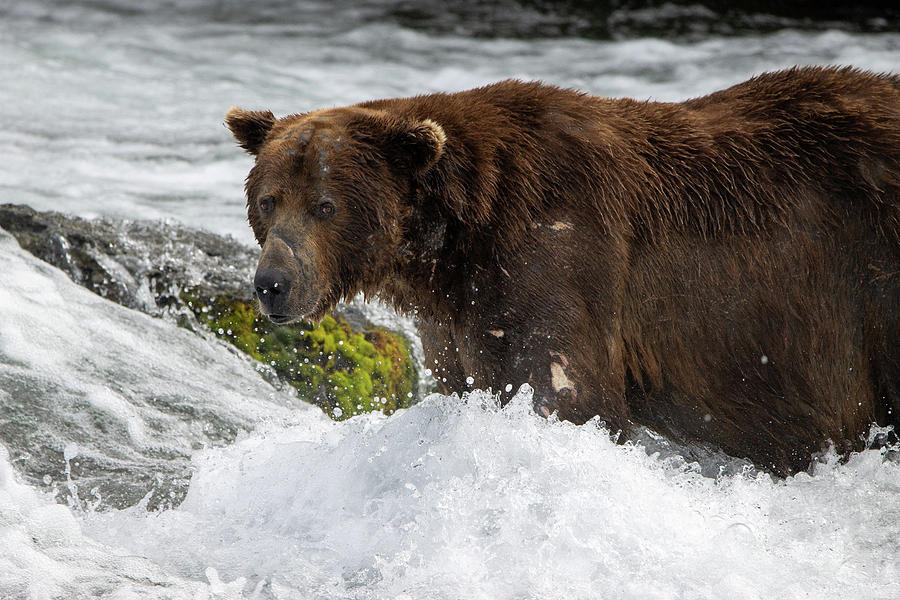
116,110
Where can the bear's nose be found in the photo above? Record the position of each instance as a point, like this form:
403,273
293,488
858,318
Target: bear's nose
272,287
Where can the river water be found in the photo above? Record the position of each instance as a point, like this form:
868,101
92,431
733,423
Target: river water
115,110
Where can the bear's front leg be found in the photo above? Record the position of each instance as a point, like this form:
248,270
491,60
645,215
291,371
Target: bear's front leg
578,375
441,356
575,383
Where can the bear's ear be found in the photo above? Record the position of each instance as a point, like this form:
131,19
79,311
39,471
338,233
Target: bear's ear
250,127
411,146
416,146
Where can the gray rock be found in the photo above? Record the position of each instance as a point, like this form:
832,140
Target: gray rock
140,264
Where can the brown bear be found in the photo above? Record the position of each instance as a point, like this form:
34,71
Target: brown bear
723,270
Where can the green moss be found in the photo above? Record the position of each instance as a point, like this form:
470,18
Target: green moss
329,364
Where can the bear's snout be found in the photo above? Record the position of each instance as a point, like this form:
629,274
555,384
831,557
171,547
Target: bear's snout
272,288
286,281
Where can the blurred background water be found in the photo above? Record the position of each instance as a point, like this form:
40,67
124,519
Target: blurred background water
114,109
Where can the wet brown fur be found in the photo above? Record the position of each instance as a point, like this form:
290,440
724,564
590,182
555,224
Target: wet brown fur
724,270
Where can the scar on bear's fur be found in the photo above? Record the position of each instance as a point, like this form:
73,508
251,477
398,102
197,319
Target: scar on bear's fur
628,259
558,378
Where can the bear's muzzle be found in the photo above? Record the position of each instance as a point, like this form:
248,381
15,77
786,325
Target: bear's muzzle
273,289
285,282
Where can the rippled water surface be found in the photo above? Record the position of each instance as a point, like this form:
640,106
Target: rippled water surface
111,113
114,109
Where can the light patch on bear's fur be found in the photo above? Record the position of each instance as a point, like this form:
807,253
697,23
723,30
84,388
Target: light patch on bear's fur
440,136
561,225
439,139
558,378
557,226
496,332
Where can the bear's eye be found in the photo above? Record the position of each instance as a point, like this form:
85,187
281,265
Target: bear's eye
325,208
266,204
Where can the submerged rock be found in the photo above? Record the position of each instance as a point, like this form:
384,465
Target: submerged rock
346,365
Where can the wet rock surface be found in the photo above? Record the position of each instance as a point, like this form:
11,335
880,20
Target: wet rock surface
139,264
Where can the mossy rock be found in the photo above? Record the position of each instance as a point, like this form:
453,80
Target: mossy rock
342,371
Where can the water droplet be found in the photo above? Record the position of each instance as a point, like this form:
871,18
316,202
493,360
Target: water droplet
70,451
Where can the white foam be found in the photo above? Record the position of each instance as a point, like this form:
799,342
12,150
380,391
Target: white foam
459,499
44,554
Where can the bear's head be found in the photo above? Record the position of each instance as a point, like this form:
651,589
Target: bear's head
327,199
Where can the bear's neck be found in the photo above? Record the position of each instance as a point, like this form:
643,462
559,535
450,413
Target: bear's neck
433,264
505,166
